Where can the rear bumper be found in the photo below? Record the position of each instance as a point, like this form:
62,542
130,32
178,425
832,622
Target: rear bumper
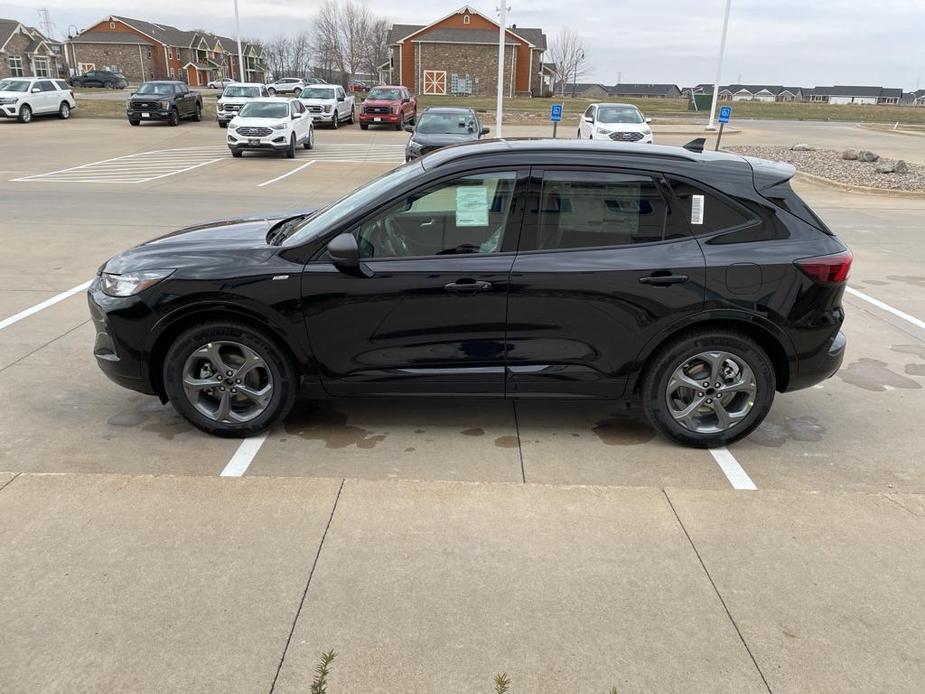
817,367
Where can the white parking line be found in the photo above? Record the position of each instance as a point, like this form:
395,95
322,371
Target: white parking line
242,457
7,322
288,173
737,477
886,307
171,173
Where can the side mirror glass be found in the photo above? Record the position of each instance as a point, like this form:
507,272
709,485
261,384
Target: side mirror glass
648,120
344,253
485,131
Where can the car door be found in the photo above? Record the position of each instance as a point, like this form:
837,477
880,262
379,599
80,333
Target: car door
603,268
46,101
428,314
586,124
297,113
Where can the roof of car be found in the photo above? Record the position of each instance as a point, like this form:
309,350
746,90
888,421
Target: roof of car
448,109
320,84
273,99
614,103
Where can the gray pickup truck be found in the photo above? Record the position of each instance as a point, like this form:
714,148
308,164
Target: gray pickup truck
165,101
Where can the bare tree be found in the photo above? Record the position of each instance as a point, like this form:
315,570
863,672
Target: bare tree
327,38
377,46
567,53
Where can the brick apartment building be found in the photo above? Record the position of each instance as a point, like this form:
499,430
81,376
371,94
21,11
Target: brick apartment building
143,50
458,54
25,51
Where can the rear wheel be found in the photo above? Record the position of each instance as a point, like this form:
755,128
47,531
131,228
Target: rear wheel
271,91
64,110
25,113
229,379
364,126
290,152
708,389
222,124
109,85
174,118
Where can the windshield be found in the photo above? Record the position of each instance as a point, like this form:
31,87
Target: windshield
264,109
317,93
619,114
151,88
446,124
241,91
338,211
14,86
288,80
384,94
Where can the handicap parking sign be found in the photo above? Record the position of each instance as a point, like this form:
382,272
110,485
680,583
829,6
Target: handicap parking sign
555,113
725,113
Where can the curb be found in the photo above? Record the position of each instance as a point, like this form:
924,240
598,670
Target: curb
875,128
866,190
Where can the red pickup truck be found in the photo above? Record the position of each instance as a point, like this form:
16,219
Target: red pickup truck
388,105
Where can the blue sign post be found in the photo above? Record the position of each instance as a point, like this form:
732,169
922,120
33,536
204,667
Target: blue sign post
555,115
725,114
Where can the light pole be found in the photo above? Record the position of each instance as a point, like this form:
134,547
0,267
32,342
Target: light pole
579,56
500,105
719,67
237,37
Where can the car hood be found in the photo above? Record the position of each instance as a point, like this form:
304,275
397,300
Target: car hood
4,92
382,102
240,122
210,244
624,127
306,100
235,99
442,139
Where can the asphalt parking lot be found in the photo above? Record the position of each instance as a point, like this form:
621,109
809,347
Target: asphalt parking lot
831,544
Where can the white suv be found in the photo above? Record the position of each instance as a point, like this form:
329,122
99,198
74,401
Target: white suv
271,124
234,97
24,97
616,122
286,85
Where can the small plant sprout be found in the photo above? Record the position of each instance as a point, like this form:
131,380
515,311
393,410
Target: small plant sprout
322,670
502,683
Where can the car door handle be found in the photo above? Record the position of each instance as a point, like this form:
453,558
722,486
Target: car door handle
428,223
663,280
467,286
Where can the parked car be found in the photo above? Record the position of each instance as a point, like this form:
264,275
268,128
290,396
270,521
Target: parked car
24,97
359,87
440,126
108,79
234,97
275,123
286,85
165,101
328,104
220,83
616,122
391,105
519,269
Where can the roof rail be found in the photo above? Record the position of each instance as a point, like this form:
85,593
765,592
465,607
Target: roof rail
696,145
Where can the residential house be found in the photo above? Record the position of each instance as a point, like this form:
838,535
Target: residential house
645,91
918,97
144,50
757,92
841,94
587,90
458,54
25,51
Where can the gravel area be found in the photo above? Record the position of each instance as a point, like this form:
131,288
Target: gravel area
829,164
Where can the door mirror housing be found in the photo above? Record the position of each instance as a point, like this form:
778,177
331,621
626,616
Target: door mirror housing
648,120
406,101
345,255
35,90
409,128
589,119
484,131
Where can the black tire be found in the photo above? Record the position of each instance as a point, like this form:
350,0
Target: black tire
109,85
237,153
134,122
222,124
197,114
364,126
64,110
662,365
25,114
290,151
400,125
414,118
335,120
283,372
173,120
271,91
309,142
352,115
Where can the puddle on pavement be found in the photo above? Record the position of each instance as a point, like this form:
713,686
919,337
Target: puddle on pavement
475,431
773,434
873,374
914,280
623,431
917,350
326,424
507,442
151,416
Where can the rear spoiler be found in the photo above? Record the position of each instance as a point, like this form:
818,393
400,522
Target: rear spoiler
696,145
768,173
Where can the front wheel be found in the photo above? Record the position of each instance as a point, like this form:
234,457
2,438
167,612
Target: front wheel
364,126
309,142
352,115
174,118
134,122
335,120
229,379
271,91
64,110
708,389
222,124
25,114
197,115
400,125
290,151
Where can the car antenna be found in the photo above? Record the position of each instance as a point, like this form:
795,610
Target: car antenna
696,145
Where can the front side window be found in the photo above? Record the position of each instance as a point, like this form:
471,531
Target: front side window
590,113
45,85
587,209
462,216
15,62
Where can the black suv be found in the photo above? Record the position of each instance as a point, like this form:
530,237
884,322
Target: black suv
698,282
163,100
441,126
100,78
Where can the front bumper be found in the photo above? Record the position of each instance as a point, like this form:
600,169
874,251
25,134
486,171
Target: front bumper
323,117
9,111
646,139
226,116
147,114
277,141
380,118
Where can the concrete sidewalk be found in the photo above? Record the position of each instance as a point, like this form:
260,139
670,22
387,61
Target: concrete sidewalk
196,584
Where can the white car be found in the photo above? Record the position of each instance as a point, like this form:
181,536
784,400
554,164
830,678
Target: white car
286,85
328,103
24,97
220,83
234,97
617,122
272,123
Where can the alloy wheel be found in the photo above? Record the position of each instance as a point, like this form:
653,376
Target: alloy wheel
711,392
228,382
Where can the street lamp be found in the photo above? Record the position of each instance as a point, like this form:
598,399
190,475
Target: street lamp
500,105
237,37
579,56
719,67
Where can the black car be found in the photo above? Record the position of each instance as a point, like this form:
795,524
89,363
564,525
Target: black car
163,100
698,282
440,126
100,78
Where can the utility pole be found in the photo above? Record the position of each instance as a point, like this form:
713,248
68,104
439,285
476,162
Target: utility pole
501,31
719,66
237,37
47,25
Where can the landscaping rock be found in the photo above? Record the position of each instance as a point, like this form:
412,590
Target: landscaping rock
867,155
802,147
850,155
901,167
885,167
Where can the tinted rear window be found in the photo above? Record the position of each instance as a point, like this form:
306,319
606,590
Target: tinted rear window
785,197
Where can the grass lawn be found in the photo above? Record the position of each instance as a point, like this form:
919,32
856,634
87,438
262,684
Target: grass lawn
98,108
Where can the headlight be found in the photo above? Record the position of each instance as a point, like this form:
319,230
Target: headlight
7,100
602,131
414,146
327,109
131,283
164,104
279,126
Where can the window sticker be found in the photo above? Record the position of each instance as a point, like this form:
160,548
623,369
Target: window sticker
696,209
472,206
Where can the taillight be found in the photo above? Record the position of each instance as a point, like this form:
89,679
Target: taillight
831,269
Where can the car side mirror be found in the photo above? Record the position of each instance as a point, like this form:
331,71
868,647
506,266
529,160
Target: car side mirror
295,116
589,119
341,99
405,101
36,90
345,254
484,131
648,120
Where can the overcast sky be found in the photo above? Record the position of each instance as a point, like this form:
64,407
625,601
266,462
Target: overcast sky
790,42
